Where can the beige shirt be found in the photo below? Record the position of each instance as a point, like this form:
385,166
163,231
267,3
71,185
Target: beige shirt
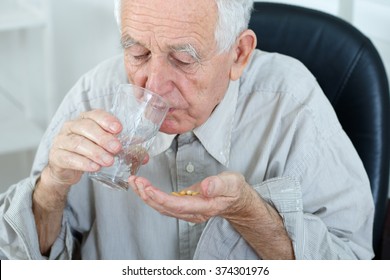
274,125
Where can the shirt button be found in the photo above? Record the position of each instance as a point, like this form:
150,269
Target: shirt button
190,167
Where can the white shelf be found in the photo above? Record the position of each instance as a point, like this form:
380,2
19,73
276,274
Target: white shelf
17,132
20,18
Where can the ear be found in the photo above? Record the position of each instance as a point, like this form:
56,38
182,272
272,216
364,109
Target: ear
242,51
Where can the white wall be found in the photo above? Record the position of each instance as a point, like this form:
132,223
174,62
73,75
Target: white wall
81,33
78,34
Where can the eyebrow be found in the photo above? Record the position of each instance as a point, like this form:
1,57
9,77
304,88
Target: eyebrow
189,49
127,42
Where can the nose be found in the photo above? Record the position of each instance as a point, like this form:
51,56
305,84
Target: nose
159,76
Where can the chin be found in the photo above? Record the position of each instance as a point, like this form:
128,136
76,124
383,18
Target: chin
177,122
172,127
168,128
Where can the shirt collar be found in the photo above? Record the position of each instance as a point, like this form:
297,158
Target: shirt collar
214,134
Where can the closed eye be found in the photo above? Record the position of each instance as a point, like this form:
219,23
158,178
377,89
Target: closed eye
185,63
141,57
138,59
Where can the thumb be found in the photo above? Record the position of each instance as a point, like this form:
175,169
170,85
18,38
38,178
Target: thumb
214,186
227,184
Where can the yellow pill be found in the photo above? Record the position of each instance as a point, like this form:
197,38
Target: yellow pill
183,193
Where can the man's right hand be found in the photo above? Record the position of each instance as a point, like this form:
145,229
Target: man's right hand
82,145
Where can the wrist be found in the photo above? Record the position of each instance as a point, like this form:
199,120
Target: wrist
49,194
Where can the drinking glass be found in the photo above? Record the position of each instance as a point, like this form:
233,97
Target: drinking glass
141,113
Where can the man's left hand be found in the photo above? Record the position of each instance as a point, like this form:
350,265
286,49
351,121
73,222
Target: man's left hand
223,195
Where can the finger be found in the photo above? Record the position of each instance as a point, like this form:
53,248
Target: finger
91,130
138,185
191,209
172,205
105,120
131,182
84,147
67,160
226,184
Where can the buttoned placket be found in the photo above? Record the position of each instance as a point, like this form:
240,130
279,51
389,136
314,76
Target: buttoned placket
189,171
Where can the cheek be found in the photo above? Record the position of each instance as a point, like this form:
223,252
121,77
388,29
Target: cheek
209,89
134,74
204,106
215,90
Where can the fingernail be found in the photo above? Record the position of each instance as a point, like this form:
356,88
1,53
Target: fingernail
150,194
114,127
139,185
210,188
113,146
94,166
107,159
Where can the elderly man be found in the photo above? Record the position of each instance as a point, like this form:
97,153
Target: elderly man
250,131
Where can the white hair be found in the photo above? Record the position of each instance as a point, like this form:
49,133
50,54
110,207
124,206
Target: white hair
233,18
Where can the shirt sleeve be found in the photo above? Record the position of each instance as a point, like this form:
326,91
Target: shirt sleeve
17,227
293,151
325,202
18,234
312,238
320,188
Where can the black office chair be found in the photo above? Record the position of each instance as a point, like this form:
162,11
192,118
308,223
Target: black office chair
352,75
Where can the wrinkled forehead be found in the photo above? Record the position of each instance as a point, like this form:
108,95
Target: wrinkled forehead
170,22
182,14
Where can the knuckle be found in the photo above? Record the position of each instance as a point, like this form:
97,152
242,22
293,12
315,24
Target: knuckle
53,156
76,143
67,161
60,159
95,114
83,115
66,127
